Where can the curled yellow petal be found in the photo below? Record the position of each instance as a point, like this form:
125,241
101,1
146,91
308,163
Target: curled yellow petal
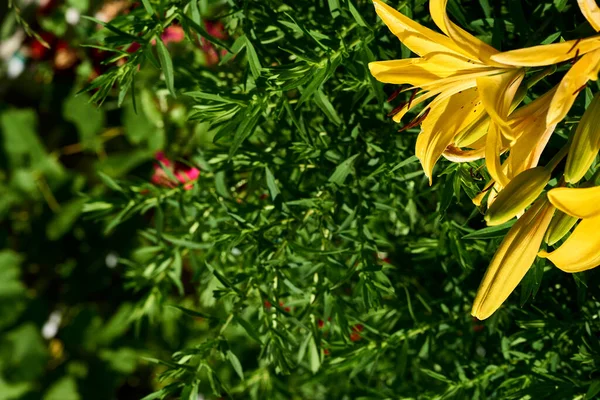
497,93
561,225
419,39
517,195
513,259
445,119
591,12
579,202
586,143
493,149
584,69
456,154
581,251
548,54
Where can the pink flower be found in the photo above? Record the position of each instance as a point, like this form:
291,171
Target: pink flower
173,34
216,29
184,174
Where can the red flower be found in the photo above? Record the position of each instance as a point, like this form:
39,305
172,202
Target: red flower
320,323
216,29
37,50
281,304
173,34
355,337
267,304
184,174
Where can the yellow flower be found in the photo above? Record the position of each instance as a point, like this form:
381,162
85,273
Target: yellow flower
581,250
470,84
528,125
513,259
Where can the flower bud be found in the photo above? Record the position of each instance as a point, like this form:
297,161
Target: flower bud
586,143
561,224
517,195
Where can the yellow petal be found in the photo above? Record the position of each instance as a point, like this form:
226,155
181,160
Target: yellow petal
473,133
440,93
548,54
513,259
584,69
464,40
430,69
586,143
591,12
493,149
581,251
517,195
497,94
419,39
561,225
529,127
580,202
456,154
479,197
445,119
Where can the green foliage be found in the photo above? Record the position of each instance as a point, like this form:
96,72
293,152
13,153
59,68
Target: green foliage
311,259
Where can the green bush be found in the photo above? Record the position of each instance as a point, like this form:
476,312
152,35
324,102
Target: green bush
310,259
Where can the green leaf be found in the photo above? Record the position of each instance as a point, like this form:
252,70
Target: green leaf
357,17
325,105
88,119
166,64
248,328
63,389
148,7
593,390
491,232
253,60
245,129
192,313
341,172
235,362
195,25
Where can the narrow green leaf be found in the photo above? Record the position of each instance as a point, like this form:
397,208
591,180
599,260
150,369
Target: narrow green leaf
341,172
357,17
253,60
166,65
246,128
148,7
235,363
314,356
491,232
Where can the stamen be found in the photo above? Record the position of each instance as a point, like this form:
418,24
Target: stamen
394,94
412,97
580,89
574,45
397,109
415,121
576,58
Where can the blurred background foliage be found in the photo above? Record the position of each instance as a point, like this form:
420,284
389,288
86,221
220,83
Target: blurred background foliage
310,259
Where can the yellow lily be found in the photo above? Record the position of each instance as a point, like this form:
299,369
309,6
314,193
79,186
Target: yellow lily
581,250
513,259
528,125
468,82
